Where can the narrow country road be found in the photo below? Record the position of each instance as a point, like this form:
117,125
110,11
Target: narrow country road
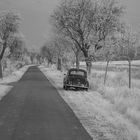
33,110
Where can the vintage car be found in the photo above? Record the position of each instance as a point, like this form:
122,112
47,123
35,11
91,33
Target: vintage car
76,78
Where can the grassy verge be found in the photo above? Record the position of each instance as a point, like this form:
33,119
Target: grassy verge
13,77
108,112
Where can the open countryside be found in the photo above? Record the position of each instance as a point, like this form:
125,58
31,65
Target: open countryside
69,70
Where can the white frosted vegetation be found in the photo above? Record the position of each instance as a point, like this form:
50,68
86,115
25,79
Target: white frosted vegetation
13,77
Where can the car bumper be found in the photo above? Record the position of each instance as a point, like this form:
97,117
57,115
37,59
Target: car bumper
76,86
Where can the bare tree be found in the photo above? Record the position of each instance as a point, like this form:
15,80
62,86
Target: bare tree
107,53
105,27
63,45
16,48
26,56
76,50
9,23
60,46
127,48
72,20
87,23
48,52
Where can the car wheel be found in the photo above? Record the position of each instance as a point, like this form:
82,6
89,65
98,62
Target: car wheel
86,89
66,88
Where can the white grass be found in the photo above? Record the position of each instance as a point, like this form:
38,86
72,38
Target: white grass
4,89
13,77
110,112
136,62
125,101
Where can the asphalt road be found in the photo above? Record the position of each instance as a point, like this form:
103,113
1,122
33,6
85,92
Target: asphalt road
33,110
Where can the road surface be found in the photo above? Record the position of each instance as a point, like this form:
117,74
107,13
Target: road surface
33,110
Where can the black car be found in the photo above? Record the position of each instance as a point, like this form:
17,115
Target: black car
76,78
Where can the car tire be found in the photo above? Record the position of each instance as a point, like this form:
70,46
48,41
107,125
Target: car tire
66,88
86,89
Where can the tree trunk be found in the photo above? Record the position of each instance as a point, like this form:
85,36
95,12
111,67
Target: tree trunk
1,76
106,72
31,58
77,59
129,73
59,64
1,57
88,61
89,65
48,63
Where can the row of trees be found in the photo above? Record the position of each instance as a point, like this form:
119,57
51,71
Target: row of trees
57,50
91,31
12,43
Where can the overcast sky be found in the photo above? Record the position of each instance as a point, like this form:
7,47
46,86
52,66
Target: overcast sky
35,17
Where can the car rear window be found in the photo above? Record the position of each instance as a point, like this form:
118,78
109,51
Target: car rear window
80,73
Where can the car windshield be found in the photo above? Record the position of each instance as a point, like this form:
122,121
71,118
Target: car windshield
75,72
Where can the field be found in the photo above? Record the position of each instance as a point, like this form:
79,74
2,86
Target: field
110,112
